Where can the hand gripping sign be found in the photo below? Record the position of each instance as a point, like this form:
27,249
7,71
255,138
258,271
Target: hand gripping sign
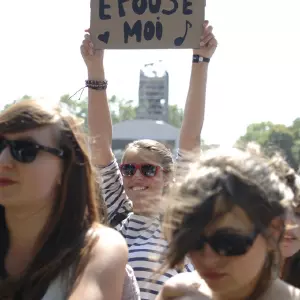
146,24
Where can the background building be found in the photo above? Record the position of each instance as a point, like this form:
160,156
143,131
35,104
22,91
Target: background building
153,92
131,130
151,115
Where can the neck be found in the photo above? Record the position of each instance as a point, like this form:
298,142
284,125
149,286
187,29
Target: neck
282,266
25,224
240,294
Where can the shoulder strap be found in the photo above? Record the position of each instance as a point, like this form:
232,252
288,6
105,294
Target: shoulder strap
118,219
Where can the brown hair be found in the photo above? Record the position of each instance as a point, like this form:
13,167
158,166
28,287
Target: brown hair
291,265
163,154
237,178
64,242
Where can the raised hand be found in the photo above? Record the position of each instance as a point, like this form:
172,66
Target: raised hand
92,58
208,42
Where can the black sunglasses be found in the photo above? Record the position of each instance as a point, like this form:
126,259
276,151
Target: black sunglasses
227,243
148,170
26,151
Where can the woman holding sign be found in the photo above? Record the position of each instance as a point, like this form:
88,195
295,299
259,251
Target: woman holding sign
134,190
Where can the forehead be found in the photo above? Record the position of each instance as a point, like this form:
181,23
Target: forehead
137,155
44,135
236,218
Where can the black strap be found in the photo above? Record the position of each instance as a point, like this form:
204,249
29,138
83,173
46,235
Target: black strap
118,219
197,59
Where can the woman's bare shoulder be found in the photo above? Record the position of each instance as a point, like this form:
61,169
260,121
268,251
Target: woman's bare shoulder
110,247
281,290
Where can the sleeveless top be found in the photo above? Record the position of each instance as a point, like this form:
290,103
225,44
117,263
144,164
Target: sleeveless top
57,289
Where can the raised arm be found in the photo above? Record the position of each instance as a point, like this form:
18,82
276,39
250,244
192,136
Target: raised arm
99,121
195,104
100,130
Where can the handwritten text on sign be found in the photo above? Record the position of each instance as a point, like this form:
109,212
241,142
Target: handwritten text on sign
146,24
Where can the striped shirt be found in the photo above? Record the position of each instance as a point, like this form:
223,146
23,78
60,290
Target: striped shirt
143,234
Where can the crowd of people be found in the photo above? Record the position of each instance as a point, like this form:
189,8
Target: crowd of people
75,224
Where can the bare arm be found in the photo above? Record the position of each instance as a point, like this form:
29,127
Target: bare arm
194,109
99,120
195,105
103,278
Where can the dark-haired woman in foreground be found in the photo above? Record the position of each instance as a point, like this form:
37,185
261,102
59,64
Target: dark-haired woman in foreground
52,245
227,215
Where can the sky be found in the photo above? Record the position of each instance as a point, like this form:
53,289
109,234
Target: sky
253,76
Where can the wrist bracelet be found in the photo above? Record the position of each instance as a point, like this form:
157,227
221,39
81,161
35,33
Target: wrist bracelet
198,59
98,85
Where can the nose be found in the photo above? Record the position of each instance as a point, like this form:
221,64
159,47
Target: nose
138,175
209,255
6,160
206,258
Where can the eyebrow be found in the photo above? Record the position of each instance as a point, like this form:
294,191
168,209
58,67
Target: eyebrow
27,139
232,230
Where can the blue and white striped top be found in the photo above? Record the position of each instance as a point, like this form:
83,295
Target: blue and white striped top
143,234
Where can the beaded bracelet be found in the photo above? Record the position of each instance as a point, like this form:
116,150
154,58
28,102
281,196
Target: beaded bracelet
98,85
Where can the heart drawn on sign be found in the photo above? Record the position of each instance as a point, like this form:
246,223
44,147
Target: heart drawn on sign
104,37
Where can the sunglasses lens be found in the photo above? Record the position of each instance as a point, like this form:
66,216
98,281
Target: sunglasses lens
2,144
128,169
199,245
231,244
149,170
23,151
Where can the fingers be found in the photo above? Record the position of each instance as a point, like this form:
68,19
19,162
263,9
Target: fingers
213,42
87,47
208,37
205,24
206,40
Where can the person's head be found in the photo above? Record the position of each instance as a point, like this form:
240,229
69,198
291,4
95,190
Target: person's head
44,165
227,215
290,244
147,169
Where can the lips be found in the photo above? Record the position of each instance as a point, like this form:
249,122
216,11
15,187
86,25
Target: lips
289,238
6,181
212,275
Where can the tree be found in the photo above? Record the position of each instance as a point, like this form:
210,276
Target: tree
175,115
25,97
275,138
121,109
77,107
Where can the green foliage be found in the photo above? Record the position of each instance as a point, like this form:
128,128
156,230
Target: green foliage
276,138
25,97
175,115
121,109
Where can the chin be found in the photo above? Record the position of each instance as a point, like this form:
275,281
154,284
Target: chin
289,250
